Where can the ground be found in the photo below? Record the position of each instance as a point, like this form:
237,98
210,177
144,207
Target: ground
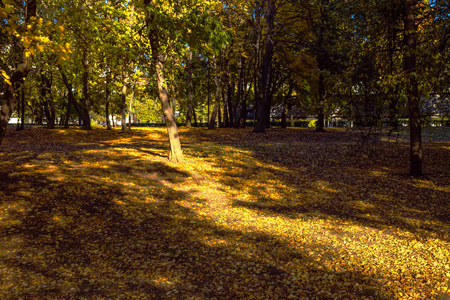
288,214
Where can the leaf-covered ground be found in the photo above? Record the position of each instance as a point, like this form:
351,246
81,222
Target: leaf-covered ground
289,214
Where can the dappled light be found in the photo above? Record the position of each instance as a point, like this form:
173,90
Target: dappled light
283,215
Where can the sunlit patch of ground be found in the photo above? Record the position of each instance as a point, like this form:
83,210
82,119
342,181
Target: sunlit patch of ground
289,214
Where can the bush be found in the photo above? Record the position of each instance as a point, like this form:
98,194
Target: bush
312,123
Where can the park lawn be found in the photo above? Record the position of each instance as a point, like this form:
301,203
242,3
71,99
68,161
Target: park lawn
288,214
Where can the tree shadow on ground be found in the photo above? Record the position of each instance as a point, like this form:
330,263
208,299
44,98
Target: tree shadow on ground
73,230
325,177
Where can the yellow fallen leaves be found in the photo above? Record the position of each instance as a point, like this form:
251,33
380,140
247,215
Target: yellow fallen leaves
102,215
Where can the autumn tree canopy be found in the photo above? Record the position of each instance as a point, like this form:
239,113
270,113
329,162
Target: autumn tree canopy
198,61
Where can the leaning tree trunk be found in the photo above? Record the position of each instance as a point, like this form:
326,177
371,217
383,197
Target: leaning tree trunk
176,154
81,112
412,90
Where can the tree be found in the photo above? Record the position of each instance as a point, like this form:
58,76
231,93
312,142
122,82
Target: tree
262,111
159,60
412,88
18,74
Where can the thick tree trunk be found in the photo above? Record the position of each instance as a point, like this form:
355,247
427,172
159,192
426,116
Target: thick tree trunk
412,90
257,65
176,154
263,107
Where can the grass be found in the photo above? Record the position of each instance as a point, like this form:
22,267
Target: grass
289,214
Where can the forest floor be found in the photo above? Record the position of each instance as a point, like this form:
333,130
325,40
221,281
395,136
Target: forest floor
288,214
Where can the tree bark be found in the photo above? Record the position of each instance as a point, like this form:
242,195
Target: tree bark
241,105
22,123
49,106
415,130
107,98
124,106
257,65
81,112
18,115
190,91
263,107
69,108
176,154
86,96
212,120
320,115
130,111
287,105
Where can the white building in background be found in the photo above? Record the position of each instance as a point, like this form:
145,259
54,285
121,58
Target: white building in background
13,121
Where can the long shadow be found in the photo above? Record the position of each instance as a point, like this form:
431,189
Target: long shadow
84,233
351,191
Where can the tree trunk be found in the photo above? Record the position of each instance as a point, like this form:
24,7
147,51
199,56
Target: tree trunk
72,99
107,98
16,79
412,90
49,106
226,94
18,115
231,105
176,154
22,123
124,106
263,107
190,91
257,66
130,111
320,115
86,100
241,105
212,120
69,108
287,105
